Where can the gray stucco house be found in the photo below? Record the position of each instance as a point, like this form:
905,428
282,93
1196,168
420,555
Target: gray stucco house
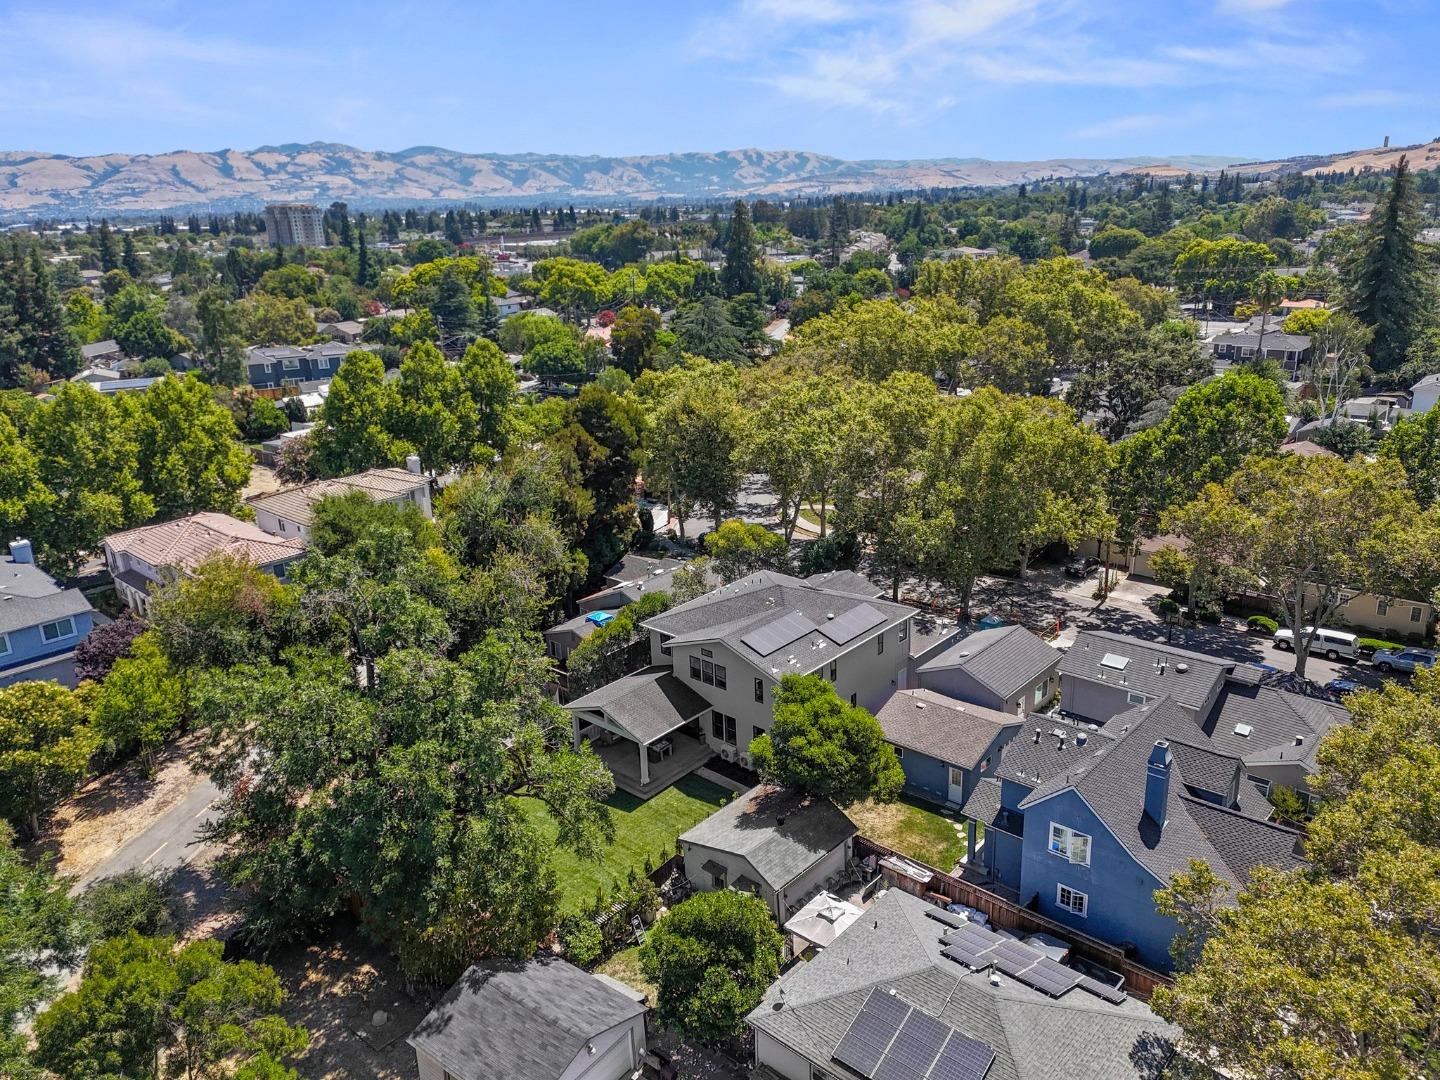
782,846
1104,674
542,1020
889,973
1006,668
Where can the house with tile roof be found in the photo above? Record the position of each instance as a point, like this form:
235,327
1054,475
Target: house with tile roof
728,650
781,846
1006,668
1101,819
291,511
945,746
543,1019
140,560
40,623
891,986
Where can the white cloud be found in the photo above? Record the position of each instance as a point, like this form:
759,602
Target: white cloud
1252,6
1123,125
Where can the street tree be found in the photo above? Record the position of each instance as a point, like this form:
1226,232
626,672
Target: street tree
141,703
45,745
1414,442
825,747
189,457
696,446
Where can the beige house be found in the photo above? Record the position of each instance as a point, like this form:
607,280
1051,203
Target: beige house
140,560
291,512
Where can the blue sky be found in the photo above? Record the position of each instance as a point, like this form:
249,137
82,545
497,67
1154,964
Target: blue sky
1017,79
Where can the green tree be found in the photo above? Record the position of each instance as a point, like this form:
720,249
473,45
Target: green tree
45,745
109,251
1314,531
1414,442
145,335
738,548
1388,281
453,307
435,415
820,745
795,441
354,432
225,611
189,459
632,338
264,319
696,445
711,960
490,382
40,336
1123,376
132,901
148,1009
40,934
741,271
704,328
141,703
24,500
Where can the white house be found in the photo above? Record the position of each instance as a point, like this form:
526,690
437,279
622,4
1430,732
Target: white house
1424,394
292,511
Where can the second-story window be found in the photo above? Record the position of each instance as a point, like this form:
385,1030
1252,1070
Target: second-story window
1070,844
880,643
832,671
760,690
695,668
719,676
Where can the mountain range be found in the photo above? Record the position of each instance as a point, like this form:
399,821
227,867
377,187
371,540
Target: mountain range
39,184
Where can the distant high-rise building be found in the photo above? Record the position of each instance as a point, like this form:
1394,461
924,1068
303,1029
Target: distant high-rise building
294,224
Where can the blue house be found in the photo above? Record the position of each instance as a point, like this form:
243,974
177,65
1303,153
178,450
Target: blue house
1006,668
946,746
40,623
1084,826
274,366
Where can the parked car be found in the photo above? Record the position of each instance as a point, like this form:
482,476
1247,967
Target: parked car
1331,644
1406,660
1342,686
1081,567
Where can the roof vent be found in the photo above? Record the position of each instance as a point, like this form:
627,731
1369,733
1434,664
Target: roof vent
921,705
779,819
1182,667
1080,738
1037,736
829,614
994,978
1243,730
1299,740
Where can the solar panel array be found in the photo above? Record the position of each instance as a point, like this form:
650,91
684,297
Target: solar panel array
976,948
1050,977
852,624
949,918
776,635
1102,990
890,1040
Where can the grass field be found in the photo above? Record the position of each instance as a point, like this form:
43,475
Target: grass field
643,829
625,966
911,828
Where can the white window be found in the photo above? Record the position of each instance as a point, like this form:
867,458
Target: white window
957,777
1072,900
1133,698
904,631
1040,691
4,645
1382,607
292,363
54,631
1415,614
1070,844
1260,782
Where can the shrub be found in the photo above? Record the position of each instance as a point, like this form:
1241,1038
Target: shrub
1370,644
137,900
582,940
1262,622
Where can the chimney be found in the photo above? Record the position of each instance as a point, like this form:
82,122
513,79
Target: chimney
21,551
1157,782
412,464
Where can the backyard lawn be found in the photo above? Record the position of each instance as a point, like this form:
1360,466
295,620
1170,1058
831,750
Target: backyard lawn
643,829
911,828
625,966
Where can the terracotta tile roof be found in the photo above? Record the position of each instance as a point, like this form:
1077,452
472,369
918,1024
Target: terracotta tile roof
298,504
189,541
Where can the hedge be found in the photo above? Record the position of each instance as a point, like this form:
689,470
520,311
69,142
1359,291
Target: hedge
1262,622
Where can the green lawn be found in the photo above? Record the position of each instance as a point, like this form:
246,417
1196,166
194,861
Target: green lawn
643,829
911,828
625,966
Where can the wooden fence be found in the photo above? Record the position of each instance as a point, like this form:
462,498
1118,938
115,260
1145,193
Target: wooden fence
1005,914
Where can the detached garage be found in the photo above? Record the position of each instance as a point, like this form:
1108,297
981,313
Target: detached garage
541,1020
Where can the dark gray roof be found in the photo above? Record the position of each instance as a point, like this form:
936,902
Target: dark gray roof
99,348
984,806
647,704
846,581
895,946
1003,659
658,577
734,612
580,626
525,1021
951,731
1048,746
29,597
1275,719
779,832
1274,339
1112,783
633,566
1244,843
1153,668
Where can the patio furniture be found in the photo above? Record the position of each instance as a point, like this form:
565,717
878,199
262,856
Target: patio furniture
662,748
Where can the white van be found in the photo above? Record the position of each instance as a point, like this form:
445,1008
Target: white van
1331,644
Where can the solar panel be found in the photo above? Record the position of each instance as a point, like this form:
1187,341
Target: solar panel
949,918
962,1059
852,624
1050,977
1102,990
776,635
964,954
914,1049
973,935
870,1033
1012,958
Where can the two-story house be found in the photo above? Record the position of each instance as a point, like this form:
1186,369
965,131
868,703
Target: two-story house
1085,826
142,559
40,623
715,663
271,366
1104,674
291,511
1006,668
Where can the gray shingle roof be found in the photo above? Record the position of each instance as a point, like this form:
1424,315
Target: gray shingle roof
29,597
894,946
648,704
529,1020
845,581
777,831
731,612
1112,783
1274,339
1004,659
1275,719
1153,668
1031,761
948,730
984,806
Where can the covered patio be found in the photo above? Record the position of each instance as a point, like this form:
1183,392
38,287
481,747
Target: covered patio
645,727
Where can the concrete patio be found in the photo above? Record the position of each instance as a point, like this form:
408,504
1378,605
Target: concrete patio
622,757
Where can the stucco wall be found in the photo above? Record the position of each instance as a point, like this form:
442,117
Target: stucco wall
791,896
770,1051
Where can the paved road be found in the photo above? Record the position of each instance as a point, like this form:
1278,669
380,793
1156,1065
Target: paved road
172,840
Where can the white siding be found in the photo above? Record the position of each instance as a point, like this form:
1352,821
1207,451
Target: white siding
769,1051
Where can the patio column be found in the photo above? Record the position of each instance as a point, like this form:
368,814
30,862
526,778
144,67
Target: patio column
644,764
575,730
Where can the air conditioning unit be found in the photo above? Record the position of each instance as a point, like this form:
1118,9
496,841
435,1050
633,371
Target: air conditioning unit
727,753
745,760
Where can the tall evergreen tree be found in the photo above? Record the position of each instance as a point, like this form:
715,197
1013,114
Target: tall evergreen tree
130,258
1387,281
109,253
362,261
36,322
741,272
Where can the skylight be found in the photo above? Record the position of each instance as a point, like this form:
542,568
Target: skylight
1114,661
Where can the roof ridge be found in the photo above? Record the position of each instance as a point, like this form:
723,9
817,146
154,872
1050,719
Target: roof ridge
1206,804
